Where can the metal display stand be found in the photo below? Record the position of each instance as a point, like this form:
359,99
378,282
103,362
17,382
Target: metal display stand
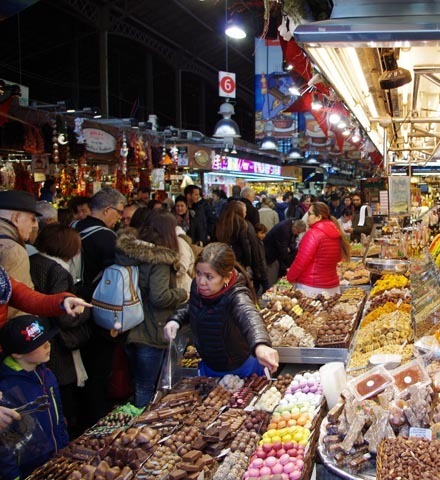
314,355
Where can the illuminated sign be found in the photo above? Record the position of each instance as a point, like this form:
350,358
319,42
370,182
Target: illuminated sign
99,141
242,165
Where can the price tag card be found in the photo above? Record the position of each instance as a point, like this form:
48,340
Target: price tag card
420,433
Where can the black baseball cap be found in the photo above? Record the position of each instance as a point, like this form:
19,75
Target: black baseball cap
25,333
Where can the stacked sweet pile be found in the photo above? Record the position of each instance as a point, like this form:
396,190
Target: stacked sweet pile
190,358
202,428
285,446
358,250
295,320
382,406
353,273
386,326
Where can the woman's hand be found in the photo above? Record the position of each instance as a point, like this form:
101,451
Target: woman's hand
170,330
74,305
7,416
268,357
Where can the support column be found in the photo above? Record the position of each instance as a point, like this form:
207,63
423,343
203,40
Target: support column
149,87
75,72
103,61
202,106
179,98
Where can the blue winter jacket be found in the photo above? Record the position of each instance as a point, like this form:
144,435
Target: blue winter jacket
42,433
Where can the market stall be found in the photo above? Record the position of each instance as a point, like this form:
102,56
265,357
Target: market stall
203,428
390,402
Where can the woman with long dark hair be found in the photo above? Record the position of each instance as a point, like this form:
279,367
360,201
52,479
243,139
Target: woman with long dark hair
57,244
303,206
154,249
232,229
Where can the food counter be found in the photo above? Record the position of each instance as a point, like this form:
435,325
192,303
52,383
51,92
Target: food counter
312,330
204,428
387,424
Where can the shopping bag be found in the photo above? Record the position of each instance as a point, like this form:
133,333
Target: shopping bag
171,372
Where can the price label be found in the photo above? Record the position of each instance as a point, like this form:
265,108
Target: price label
226,84
420,433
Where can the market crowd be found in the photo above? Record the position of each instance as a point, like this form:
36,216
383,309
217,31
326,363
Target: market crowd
203,264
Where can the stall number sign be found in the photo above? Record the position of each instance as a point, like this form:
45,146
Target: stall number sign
226,84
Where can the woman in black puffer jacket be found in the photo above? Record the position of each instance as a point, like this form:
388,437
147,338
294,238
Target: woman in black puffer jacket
229,333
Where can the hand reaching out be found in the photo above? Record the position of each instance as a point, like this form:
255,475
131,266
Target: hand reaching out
74,305
268,357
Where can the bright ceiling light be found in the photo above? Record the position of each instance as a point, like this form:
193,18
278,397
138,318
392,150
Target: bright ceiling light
316,104
312,160
342,69
235,30
269,142
334,118
294,90
356,136
226,127
294,153
342,124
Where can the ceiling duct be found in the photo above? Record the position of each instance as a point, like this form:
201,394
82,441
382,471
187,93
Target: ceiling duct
363,22
383,59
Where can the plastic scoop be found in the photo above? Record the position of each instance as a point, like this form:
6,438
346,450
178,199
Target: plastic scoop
388,360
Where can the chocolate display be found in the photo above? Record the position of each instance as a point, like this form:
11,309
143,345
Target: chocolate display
193,431
295,320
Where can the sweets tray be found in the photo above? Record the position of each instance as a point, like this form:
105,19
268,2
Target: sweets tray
368,474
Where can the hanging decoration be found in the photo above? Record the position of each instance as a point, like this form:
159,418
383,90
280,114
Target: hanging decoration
33,140
82,173
23,180
80,138
7,175
68,181
166,159
174,154
124,154
55,150
140,154
63,142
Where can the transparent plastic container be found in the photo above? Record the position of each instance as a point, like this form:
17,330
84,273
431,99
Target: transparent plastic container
371,383
411,373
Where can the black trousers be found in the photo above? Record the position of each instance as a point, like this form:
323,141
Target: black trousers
98,361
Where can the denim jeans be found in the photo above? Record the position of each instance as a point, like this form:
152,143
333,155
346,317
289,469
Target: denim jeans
145,365
250,366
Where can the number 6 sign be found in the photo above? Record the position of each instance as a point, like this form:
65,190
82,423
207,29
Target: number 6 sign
226,84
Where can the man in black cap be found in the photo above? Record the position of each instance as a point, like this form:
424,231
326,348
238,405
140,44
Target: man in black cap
335,205
18,216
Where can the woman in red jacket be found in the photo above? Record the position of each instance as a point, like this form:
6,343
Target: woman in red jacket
320,250
20,296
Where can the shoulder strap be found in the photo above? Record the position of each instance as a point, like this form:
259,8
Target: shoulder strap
133,272
7,237
91,230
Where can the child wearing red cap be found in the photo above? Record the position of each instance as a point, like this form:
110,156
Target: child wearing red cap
23,378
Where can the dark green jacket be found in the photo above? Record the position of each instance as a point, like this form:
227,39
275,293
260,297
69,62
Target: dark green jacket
157,282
